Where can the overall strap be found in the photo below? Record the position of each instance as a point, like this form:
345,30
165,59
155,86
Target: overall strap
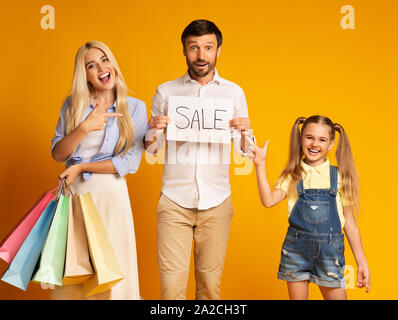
300,188
333,180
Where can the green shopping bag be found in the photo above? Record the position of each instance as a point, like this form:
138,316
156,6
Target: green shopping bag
52,260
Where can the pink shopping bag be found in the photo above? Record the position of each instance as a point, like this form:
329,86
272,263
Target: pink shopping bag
13,241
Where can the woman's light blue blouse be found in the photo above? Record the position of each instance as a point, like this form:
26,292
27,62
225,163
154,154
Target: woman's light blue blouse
124,164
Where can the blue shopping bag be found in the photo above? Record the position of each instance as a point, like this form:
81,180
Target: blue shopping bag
21,269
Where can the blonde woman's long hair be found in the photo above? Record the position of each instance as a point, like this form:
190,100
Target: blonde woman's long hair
82,91
345,160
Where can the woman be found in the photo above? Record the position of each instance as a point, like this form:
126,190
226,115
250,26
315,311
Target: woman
100,136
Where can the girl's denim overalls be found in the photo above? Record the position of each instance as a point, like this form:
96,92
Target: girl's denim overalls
313,249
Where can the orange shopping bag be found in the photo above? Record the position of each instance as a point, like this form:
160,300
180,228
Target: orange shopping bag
77,261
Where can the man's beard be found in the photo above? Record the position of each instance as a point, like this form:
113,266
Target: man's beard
204,73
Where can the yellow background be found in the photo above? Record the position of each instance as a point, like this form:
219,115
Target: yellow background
292,58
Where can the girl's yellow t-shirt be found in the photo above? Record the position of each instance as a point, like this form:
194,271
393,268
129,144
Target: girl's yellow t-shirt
316,178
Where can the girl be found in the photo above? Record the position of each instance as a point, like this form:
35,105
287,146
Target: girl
100,136
321,201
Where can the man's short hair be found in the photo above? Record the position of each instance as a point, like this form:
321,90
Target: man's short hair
199,28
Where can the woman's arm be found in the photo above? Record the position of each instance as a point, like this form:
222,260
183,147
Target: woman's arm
268,197
67,145
73,171
354,238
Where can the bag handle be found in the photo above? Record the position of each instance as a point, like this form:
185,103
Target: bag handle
60,189
57,187
57,190
69,186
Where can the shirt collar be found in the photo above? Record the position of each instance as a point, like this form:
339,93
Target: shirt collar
113,106
321,169
216,78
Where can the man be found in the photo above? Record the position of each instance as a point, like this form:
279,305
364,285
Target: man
195,202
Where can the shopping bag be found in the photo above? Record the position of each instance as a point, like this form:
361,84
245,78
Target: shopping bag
13,241
52,259
22,266
107,269
77,261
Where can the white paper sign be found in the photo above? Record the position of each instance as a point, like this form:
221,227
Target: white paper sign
199,119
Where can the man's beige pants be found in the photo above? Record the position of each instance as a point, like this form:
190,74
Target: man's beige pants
209,229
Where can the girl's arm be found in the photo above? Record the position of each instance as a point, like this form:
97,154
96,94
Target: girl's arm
354,238
268,197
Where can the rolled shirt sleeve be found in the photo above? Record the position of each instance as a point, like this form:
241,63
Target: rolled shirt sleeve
283,184
130,161
60,129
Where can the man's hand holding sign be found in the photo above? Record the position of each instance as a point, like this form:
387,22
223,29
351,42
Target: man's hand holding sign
156,128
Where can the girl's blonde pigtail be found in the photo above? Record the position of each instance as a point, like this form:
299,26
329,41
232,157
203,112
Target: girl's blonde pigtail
347,169
293,168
